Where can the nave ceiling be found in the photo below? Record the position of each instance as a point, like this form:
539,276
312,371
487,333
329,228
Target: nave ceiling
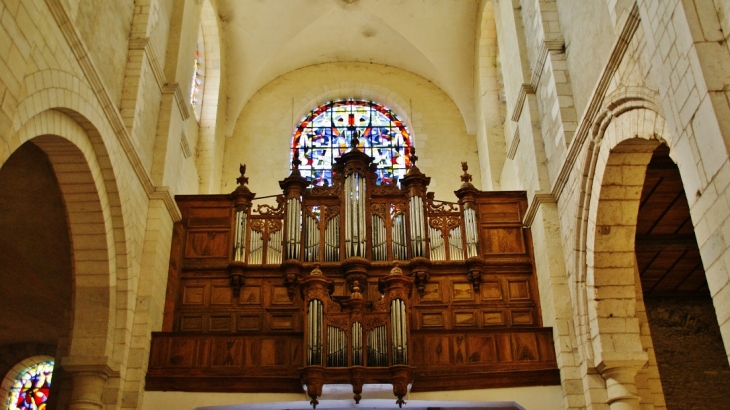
265,39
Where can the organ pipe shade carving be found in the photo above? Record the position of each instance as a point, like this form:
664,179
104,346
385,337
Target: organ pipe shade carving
239,246
399,330
315,321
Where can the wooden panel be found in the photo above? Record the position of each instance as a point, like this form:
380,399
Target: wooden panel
206,244
182,352
499,212
282,322
279,296
220,295
482,349
491,291
521,317
221,323
249,322
462,291
524,347
460,350
227,352
209,216
191,323
519,290
503,240
250,295
465,318
432,319
493,318
437,350
432,292
193,295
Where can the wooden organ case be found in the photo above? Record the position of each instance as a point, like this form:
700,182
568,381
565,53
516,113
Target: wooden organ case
353,283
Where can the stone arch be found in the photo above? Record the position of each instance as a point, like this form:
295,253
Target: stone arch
210,146
624,138
81,180
365,91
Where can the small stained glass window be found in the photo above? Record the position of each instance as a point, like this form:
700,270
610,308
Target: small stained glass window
197,80
325,133
31,388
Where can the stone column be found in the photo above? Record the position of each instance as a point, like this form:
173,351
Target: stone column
620,383
89,377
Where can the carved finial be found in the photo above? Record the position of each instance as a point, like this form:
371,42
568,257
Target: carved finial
295,162
355,140
316,271
396,269
356,290
242,180
466,178
414,157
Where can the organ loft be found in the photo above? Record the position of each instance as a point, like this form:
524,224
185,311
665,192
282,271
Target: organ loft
361,281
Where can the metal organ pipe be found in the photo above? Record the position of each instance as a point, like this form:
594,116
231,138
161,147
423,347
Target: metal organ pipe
239,247
417,226
355,232
356,344
293,227
471,228
398,331
315,317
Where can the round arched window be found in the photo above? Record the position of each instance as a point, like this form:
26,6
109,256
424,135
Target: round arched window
30,389
325,134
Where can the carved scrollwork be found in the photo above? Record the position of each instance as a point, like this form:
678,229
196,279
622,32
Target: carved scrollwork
371,322
330,212
268,210
444,223
379,209
356,168
385,189
440,206
341,323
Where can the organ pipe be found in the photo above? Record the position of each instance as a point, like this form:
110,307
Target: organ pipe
357,344
293,227
332,240
355,230
456,253
437,251
312,239
418,237
398,331
472,233
399,238
315,318
378,347
239,247
380,241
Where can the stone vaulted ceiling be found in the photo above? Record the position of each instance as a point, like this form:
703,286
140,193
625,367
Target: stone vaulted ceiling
265,39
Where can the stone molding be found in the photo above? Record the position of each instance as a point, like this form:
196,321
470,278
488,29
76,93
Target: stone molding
514,144
176,91
144,44
163,193
538,199
586,124
547,47
111,113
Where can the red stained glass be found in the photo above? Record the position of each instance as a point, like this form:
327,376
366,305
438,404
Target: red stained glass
30,390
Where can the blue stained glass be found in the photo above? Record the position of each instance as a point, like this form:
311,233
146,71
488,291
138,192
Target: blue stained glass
322,136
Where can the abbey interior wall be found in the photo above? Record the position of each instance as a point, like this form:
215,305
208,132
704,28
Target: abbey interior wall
564,63
263,132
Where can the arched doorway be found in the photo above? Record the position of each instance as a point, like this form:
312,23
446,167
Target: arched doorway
684,331
36,269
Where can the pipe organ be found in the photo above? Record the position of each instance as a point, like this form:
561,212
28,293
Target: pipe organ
353,283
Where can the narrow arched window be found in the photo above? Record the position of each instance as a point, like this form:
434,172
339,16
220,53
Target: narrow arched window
324,134
30,388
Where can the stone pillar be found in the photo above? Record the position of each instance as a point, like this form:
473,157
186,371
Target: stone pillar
620,384
89,377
